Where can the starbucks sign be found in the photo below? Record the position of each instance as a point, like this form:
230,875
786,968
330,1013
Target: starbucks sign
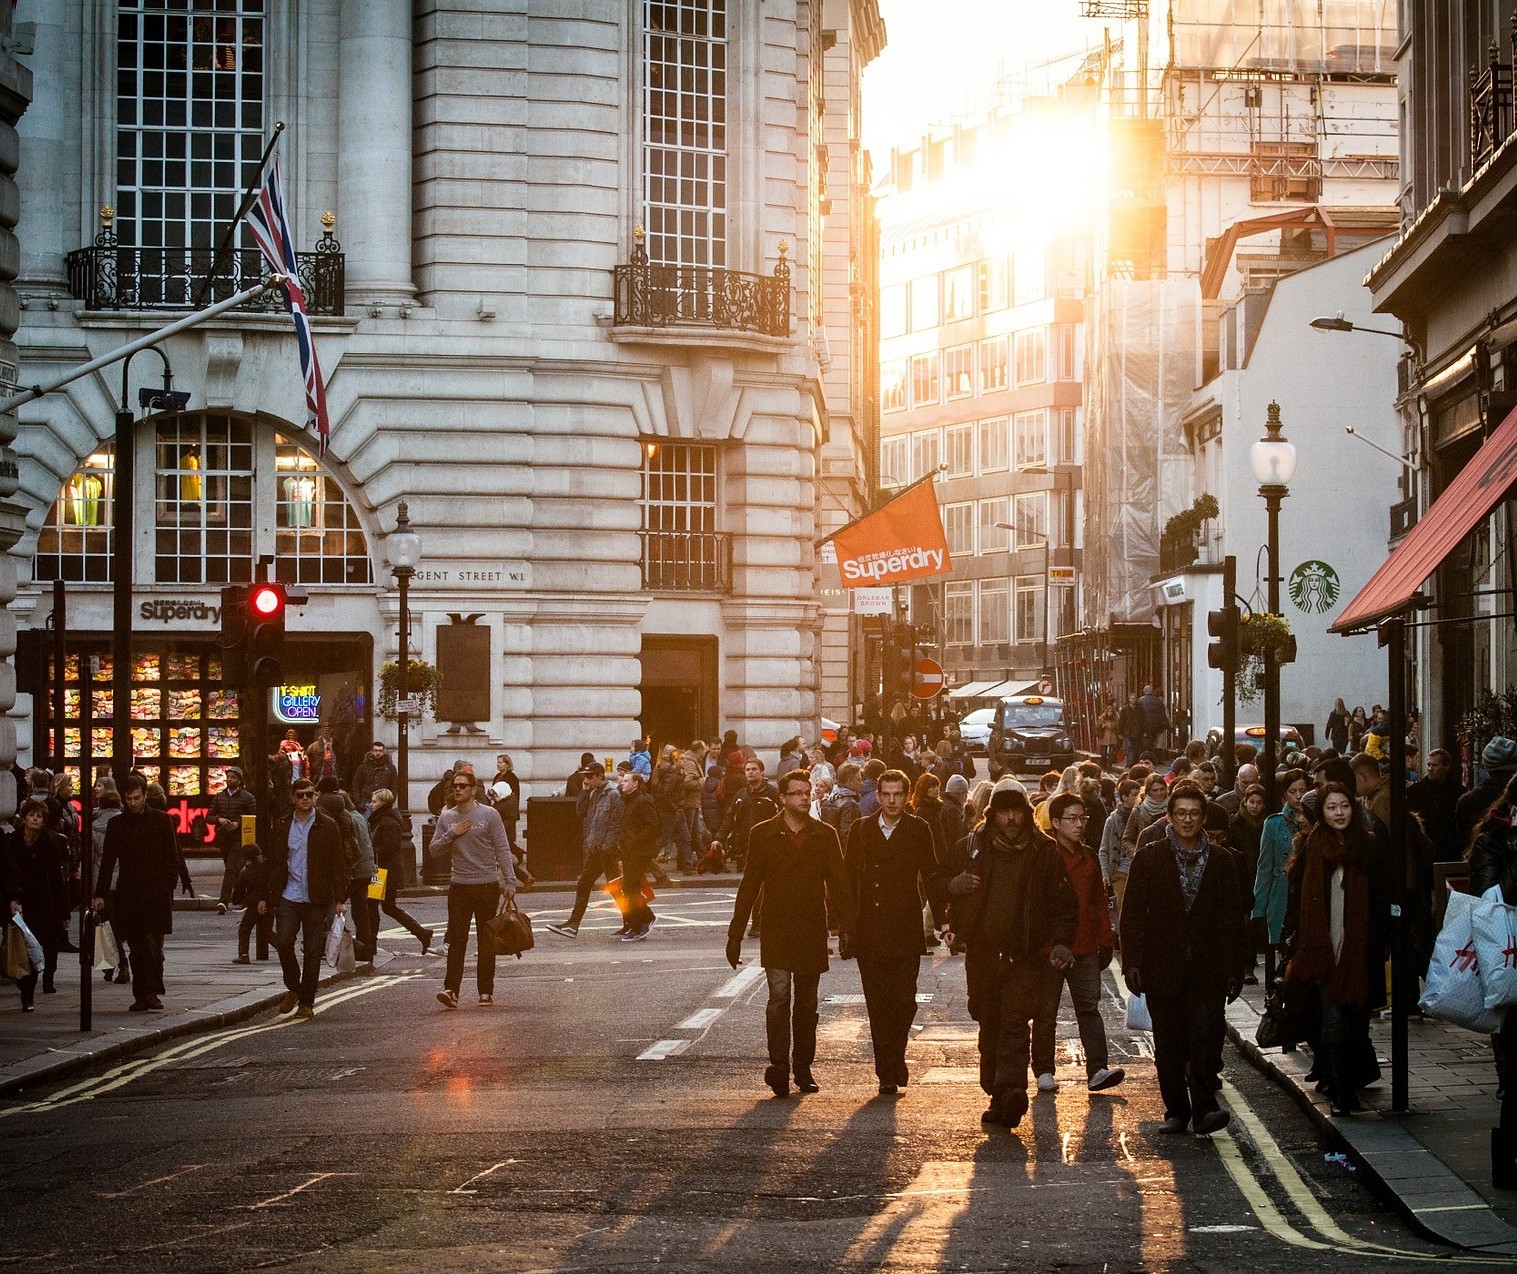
1314,587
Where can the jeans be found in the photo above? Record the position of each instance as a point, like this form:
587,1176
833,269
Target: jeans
235,859
1132,749
791,1015
479,903
598,863
1188,1035
146,953
264,925
1085,993
890,995
308,921
1003,999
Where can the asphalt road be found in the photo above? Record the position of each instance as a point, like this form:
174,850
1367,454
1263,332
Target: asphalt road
609,1113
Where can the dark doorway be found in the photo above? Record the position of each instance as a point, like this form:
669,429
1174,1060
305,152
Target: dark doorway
679,689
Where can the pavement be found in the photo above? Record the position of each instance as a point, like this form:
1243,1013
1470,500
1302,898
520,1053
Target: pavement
1433,1162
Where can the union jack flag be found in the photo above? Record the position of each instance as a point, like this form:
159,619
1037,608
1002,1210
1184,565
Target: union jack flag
271,231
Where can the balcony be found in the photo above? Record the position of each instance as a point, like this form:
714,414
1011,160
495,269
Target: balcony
1490,105
107,276
687,561
682,296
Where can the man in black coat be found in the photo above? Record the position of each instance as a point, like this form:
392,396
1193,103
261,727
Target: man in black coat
140,841
1435,798
891,862
1015,912
375,773
305,886
228,807
794,874
1183,946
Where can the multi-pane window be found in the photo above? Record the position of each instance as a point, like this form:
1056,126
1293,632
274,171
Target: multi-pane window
958,527
1029,608
893,310
958,371
679,487
993,365
958,294
1065,353
924,303
1069,435
1031,356
926,452
958,450
958,613
203,499
1030,276
995,613
895,461
189,117
995,284
1029,439
893,385
685,131
1030,514
995,513
75,541
317,537
995,449
924,379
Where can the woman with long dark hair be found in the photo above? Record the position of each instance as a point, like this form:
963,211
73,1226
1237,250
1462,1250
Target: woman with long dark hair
1335,939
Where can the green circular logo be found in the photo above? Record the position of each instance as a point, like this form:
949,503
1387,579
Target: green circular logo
1314,587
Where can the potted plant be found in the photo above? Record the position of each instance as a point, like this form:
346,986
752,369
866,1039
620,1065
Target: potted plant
1259,633
422,683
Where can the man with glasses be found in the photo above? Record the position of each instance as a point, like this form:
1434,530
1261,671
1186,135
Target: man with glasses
1092,947
1183,946
307,885
793,874
482,865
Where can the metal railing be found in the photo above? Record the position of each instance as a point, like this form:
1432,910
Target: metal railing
650,295
687,561
1491,103
107,276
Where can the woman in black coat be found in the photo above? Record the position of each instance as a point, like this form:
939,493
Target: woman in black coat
41,866
391,845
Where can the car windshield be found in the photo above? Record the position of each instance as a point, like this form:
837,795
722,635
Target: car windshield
1017,716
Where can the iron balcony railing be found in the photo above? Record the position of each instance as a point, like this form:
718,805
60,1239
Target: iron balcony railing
649,295
687,561
108,276
1491,119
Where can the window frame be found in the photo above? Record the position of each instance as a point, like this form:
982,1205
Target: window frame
1030,356
962,376
1029,439
1001,427
990,359
959,438
959,528
897,397
930,362
993,600
958,292
958,628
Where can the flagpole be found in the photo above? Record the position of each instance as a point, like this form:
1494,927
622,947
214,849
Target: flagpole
248,195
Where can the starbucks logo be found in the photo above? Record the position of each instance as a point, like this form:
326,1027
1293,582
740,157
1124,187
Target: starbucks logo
1314,587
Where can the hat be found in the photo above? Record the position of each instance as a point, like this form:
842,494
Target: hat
861,746
1008,793
1500,754
957,785
232,769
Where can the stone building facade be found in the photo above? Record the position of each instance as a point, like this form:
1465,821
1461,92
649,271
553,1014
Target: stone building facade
605,276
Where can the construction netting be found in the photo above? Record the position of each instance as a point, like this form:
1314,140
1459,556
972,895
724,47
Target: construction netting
1347,37
1142,338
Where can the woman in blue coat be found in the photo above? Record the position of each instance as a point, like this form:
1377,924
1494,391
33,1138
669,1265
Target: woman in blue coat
1276,842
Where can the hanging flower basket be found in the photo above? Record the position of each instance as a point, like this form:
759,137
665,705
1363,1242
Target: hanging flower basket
1260,634
422,682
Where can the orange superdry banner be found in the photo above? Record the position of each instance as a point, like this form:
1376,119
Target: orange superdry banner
902,541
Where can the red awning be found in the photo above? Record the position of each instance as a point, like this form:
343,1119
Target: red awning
1480,487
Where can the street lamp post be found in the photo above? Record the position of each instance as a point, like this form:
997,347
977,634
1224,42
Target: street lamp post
1273,460
403,551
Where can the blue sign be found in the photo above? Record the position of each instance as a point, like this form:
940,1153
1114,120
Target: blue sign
297,705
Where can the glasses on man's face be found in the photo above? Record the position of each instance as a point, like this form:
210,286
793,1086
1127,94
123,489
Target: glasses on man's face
1186,815
461,786
800,791
307,795
1075,818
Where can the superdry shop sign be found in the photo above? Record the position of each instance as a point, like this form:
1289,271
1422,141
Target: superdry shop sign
178,610
902,541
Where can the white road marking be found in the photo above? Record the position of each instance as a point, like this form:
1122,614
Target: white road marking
480,1176
664,1048
306,1185
700,1019
156,1181
739,982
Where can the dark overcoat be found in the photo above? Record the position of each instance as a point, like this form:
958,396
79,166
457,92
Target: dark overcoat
891,877
144,847
799,883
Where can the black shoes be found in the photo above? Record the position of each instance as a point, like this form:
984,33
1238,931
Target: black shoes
806,1083
426,940
1005,1109
1212,1121
1173,1125
777,1079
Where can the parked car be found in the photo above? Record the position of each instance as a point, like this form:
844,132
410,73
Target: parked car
974,730
1030,735
1290,738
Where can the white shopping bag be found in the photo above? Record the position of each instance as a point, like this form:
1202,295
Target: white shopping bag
1452,991
1495,928
107,951
1137,1014
33,947
334,939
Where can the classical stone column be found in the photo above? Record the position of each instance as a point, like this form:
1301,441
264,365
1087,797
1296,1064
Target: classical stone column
374,157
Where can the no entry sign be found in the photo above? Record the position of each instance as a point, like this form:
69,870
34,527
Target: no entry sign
926,678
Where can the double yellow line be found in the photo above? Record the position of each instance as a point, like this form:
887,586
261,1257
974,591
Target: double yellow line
137,1067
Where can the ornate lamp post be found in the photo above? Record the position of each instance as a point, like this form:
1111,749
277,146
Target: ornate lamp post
1273,460
403,552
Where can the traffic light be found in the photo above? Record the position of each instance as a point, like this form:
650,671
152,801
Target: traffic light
265,633
1223,625
234,634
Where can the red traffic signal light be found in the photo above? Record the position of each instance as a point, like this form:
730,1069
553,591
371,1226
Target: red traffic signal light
266,600
264,643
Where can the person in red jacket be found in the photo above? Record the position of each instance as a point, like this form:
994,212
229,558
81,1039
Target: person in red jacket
1092,949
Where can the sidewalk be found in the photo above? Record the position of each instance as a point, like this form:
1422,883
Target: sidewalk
1433,1162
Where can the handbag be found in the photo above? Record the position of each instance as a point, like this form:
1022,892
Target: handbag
15,964
511,930
1287,1016
377,883
1138,1018
107,949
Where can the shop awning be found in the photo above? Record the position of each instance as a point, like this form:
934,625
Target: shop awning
971,690
1481,485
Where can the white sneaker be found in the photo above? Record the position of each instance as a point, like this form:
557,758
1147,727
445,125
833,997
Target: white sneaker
1106,1077
1047,1083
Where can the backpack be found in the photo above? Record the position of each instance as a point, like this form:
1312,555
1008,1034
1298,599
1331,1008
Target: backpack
832,812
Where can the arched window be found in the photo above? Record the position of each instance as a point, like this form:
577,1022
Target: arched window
226,492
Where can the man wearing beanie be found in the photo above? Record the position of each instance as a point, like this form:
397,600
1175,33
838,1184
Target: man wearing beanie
1014,910
1499,761
951,819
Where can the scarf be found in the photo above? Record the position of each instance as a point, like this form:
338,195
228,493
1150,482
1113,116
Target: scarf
1345,977
1149,810
1191,863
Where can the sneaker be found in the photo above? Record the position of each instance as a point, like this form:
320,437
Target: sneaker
305,1010
242,959
221,908
564,930
1047,1083
1106,1077
637,935
288,1001
485,1001
448,999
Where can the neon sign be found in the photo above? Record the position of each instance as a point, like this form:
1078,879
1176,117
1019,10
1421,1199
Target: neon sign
297,705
